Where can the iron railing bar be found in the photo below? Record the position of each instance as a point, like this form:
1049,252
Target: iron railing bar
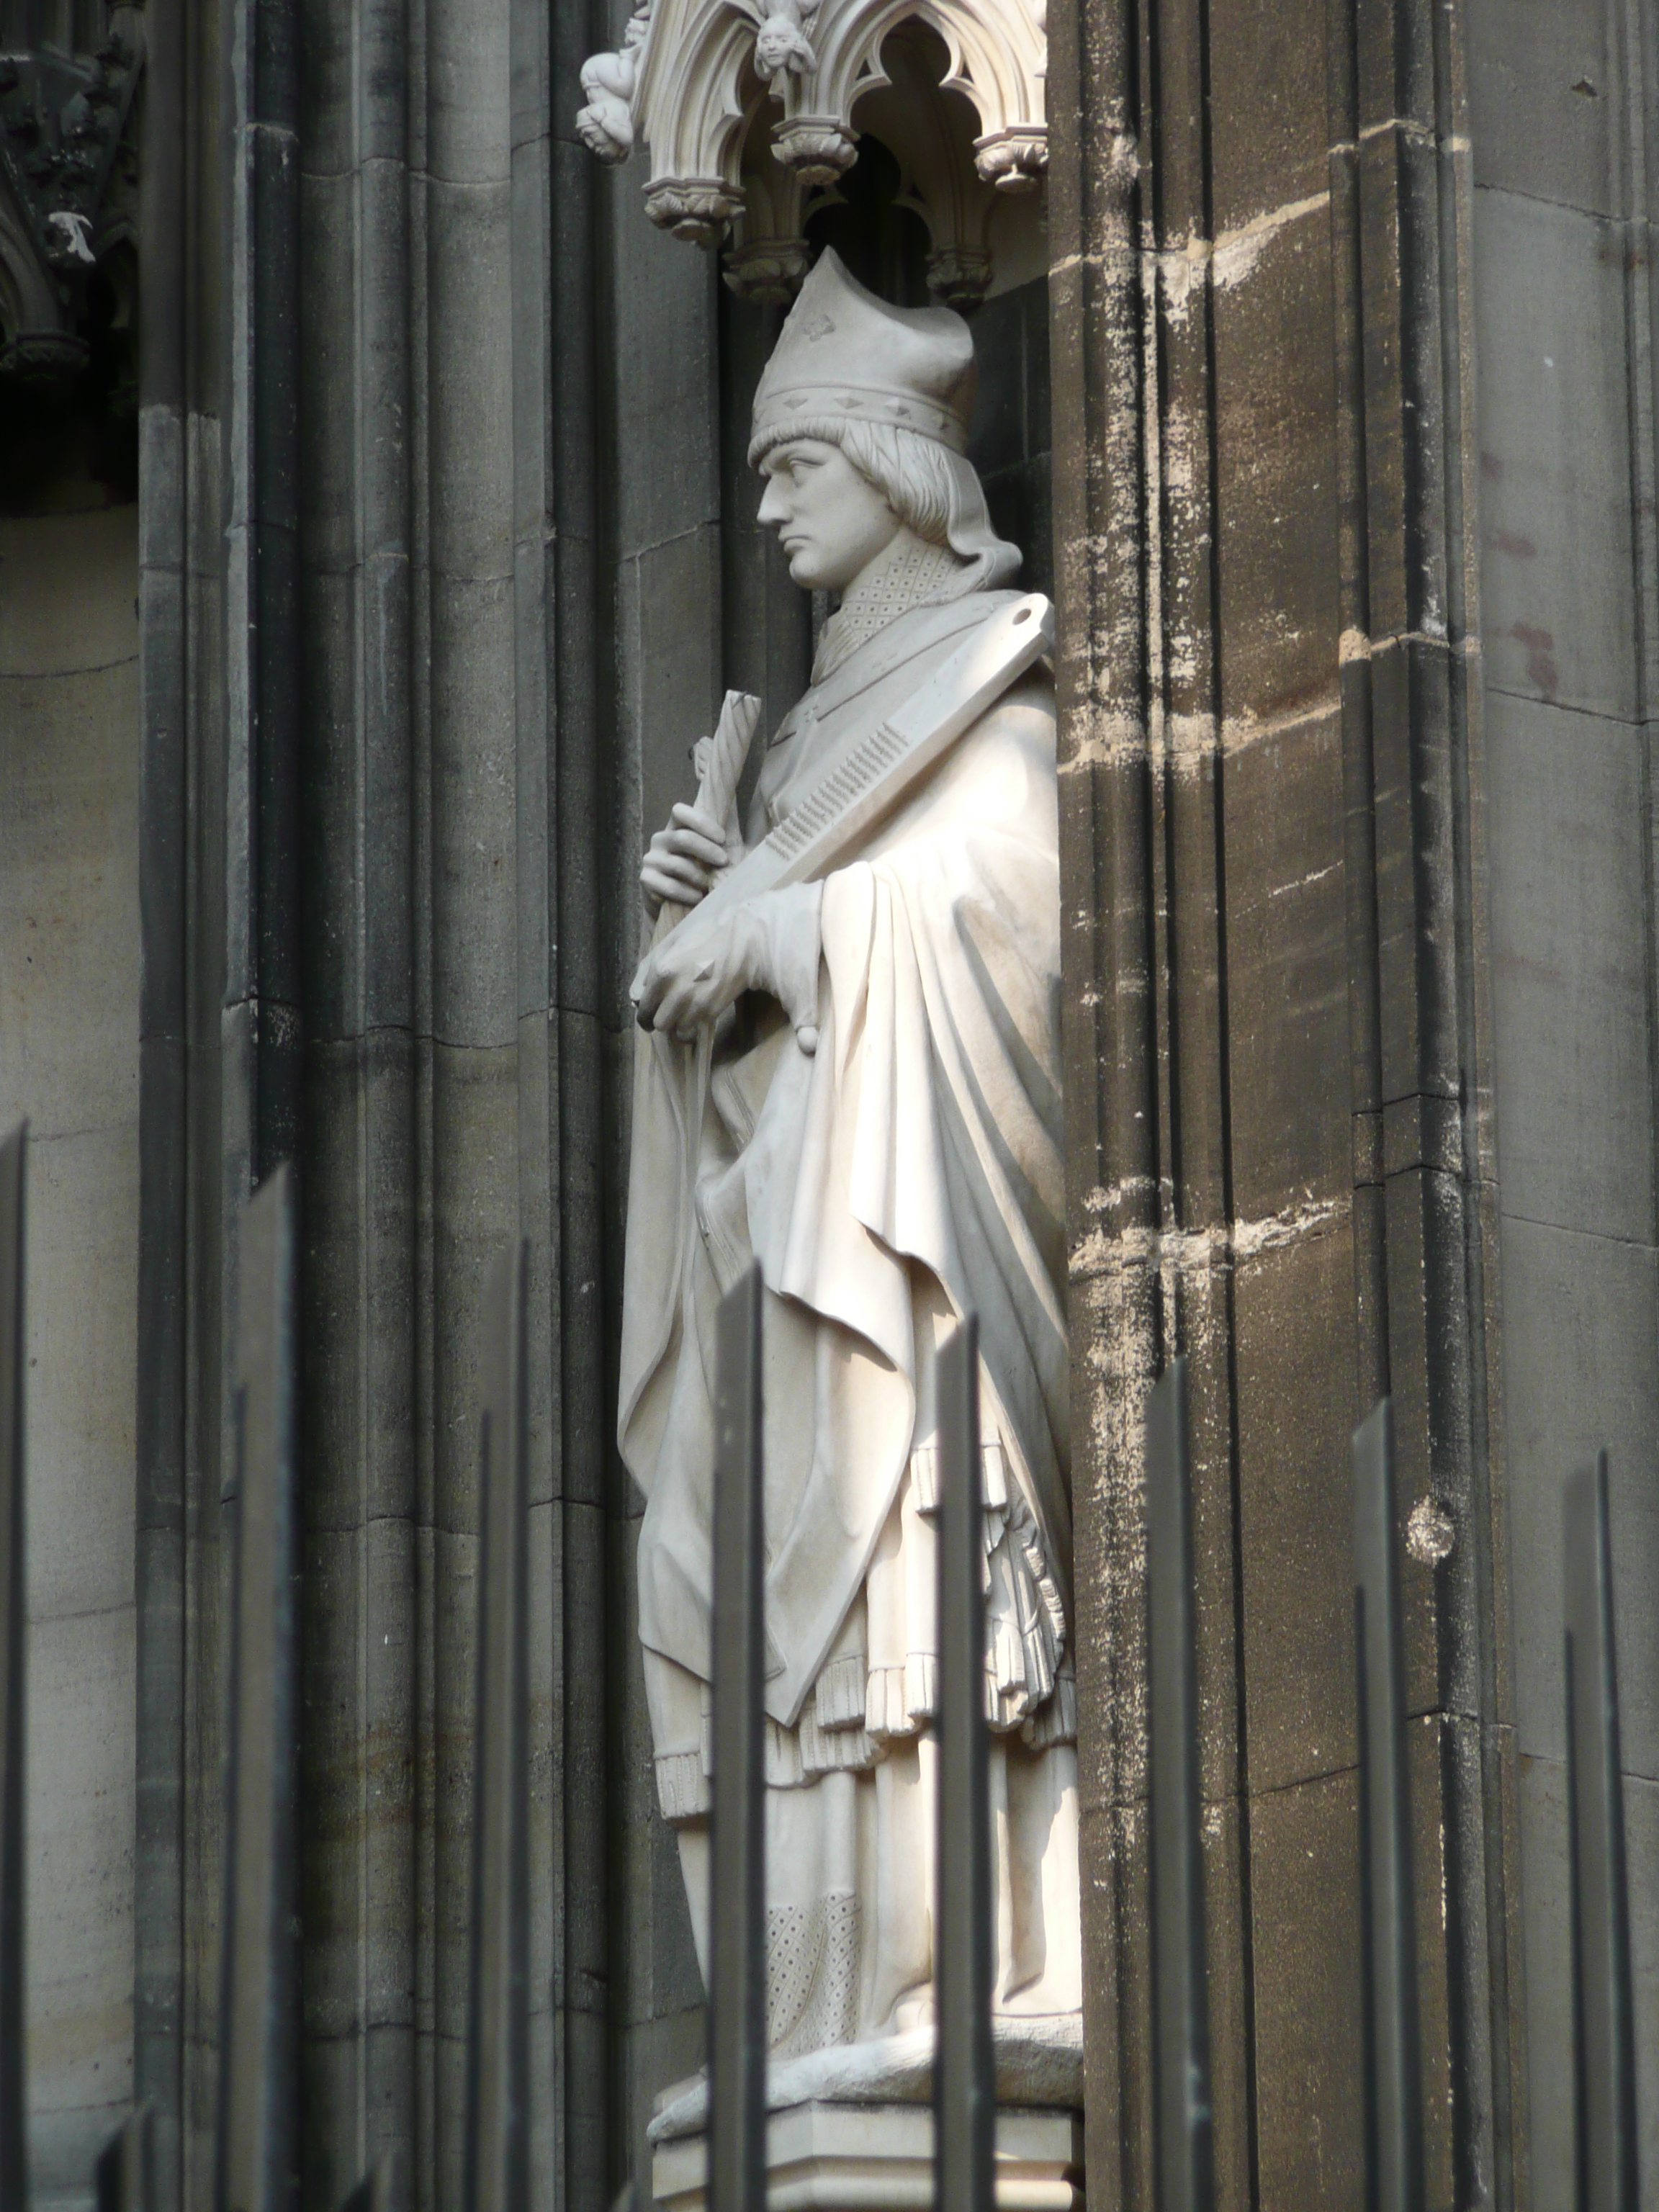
1394,2109
1604,2061
126,2167
14,1153
378,2191
1184,2122
964,2089
737,2007
498,2082
257,2154
737,1976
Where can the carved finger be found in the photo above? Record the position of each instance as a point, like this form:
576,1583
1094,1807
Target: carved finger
648,984
696,995
691,844
675,1012
683,880
682,868
687,816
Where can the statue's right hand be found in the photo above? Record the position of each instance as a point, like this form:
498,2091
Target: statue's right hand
685,858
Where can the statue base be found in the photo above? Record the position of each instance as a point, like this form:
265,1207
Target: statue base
880,2158
850,2129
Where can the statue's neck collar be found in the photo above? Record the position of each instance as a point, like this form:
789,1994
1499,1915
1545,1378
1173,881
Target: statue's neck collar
906,573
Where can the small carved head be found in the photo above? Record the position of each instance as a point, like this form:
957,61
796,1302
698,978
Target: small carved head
780,44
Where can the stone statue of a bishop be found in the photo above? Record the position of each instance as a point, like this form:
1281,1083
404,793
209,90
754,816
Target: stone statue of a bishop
872,1061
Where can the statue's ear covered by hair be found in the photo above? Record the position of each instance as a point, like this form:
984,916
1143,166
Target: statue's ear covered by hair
913,475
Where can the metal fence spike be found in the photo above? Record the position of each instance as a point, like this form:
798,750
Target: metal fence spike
1394,2109
257,2154
964,2088
737,1975
498,2081
126,2167
13,1156
1184,2118
1604,2060
381,2189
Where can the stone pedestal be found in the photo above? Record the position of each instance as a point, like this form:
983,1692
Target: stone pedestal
880,2158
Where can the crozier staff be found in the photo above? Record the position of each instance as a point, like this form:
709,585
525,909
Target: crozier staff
880,1128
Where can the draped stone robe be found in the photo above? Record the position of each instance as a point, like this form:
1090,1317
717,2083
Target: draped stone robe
907,1170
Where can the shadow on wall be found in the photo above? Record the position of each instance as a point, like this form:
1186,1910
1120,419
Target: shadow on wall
885,245
69,1061
72,445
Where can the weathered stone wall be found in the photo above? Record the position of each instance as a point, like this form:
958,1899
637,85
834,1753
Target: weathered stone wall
373,862
68,1060
1277,1062
1562,112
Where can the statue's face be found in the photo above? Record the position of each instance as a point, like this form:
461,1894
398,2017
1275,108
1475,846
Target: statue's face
830,520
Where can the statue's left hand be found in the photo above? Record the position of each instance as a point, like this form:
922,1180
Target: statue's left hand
769,943
683,859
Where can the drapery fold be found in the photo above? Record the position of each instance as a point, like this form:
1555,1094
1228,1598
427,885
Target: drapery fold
907,1170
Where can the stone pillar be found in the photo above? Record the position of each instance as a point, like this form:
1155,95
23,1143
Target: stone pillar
454,1069
377,948
359,925
178,660
662,547
1277,1055
1566,189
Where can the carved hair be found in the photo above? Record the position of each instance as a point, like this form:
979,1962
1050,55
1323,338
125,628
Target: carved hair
934,491
912,473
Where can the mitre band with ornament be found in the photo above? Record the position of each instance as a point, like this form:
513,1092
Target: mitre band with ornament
721,90
837,334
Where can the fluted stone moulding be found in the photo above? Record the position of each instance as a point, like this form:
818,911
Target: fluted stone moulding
752,110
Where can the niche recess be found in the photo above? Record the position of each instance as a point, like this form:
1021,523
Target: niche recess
751,117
